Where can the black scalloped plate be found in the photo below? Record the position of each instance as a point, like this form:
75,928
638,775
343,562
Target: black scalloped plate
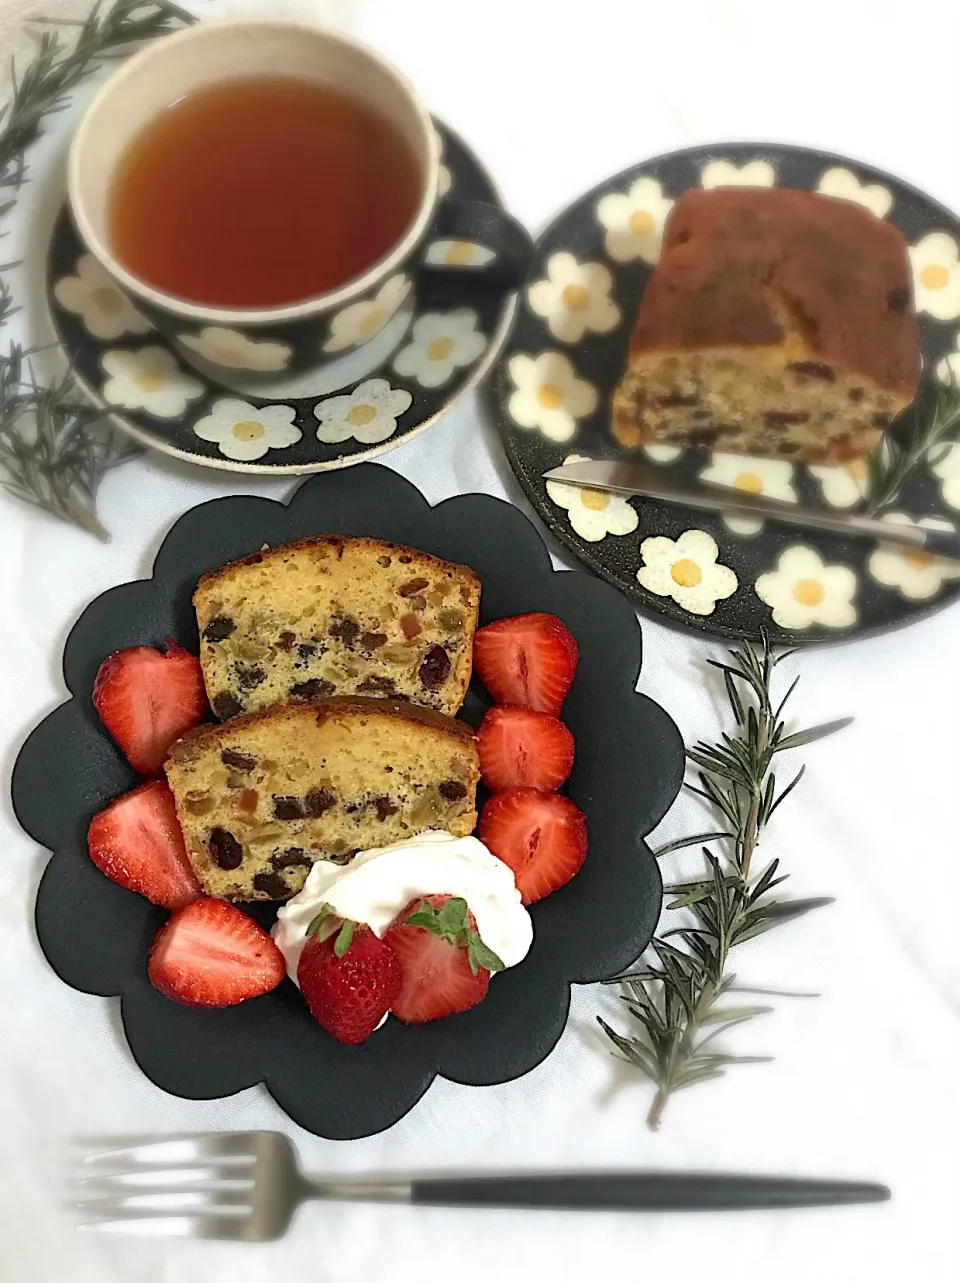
599,357
629,769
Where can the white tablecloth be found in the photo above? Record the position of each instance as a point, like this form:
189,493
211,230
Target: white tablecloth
554,97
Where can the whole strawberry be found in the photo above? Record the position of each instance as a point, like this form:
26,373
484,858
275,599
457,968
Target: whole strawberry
348,976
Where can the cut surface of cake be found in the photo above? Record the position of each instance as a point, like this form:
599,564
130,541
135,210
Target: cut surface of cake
264,796
333,615
776,322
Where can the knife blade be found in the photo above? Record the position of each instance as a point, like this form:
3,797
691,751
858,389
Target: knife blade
667,485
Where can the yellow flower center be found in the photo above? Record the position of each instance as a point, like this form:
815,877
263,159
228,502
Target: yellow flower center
748,481
575,298
149,380
917,560
934,276
641,222
686,573
595,500
373,321
809,592
359,416
247,430
549,396
458,253
107,300
439,349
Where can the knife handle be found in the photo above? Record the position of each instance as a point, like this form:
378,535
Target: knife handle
942,543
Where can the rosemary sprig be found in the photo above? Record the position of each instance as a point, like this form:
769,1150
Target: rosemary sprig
54,447
933,421
676,998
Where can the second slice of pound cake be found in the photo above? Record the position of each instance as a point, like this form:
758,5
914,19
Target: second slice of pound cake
263,797
333,615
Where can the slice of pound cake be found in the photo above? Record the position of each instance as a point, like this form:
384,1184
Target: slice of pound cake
263,797
333,615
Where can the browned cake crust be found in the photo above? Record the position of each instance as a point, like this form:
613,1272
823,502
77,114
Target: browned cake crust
792,308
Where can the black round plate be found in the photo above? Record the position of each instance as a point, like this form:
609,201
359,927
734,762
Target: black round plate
628,770
874,588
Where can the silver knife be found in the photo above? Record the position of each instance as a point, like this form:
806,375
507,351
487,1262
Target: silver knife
665,484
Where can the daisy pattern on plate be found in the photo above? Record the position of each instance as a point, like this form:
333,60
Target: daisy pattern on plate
441,343
458,254
634,221
771,477
724,173
549,396
593,514
936,276
106,313
662,453
946,466
687,570
845,185
148,378
574,298
369,413
445,180
242,431
359,322
916,574
228,347
803,590
843,485
948,369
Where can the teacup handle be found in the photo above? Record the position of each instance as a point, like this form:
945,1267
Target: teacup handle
489,226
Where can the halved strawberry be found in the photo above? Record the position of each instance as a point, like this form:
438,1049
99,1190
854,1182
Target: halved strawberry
446,966
212,955
542,836
519,746
137,841
349,978
147,700
528,660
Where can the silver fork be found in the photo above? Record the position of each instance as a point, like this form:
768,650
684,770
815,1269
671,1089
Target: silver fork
247,1186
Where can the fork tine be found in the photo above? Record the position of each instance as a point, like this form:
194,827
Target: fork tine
167,1202
157,1179
160,1225
161,1150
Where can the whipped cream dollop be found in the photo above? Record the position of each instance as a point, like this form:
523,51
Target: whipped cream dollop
377,884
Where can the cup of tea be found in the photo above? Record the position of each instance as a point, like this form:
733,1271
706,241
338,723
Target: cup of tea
265,192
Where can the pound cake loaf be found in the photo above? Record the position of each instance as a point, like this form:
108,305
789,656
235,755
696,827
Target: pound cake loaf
264,796
776,322
332,615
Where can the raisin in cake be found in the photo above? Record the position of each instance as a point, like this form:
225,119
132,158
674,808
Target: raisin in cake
267,794
776,322
336,616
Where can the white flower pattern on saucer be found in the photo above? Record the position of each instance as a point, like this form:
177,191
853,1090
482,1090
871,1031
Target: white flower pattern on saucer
916,575
593,514
369,413
574,298
946,467
148,378
936,276
803,590
105,311
662,453
445,181
844,485
634,221
244,432
948,369
232,348
687,570
845,185
441,343
359,322
724,173
771,477
450,253
549,396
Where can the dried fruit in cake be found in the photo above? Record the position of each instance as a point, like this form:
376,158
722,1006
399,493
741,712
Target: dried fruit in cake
541,836
333,615
776,322
210,954
146,700
136,841
445,966
518,746
264,796
528,660
348,977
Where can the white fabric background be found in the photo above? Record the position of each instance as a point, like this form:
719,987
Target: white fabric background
865,1082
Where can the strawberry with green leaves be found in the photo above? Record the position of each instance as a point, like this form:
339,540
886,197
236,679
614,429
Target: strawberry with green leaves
349,978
